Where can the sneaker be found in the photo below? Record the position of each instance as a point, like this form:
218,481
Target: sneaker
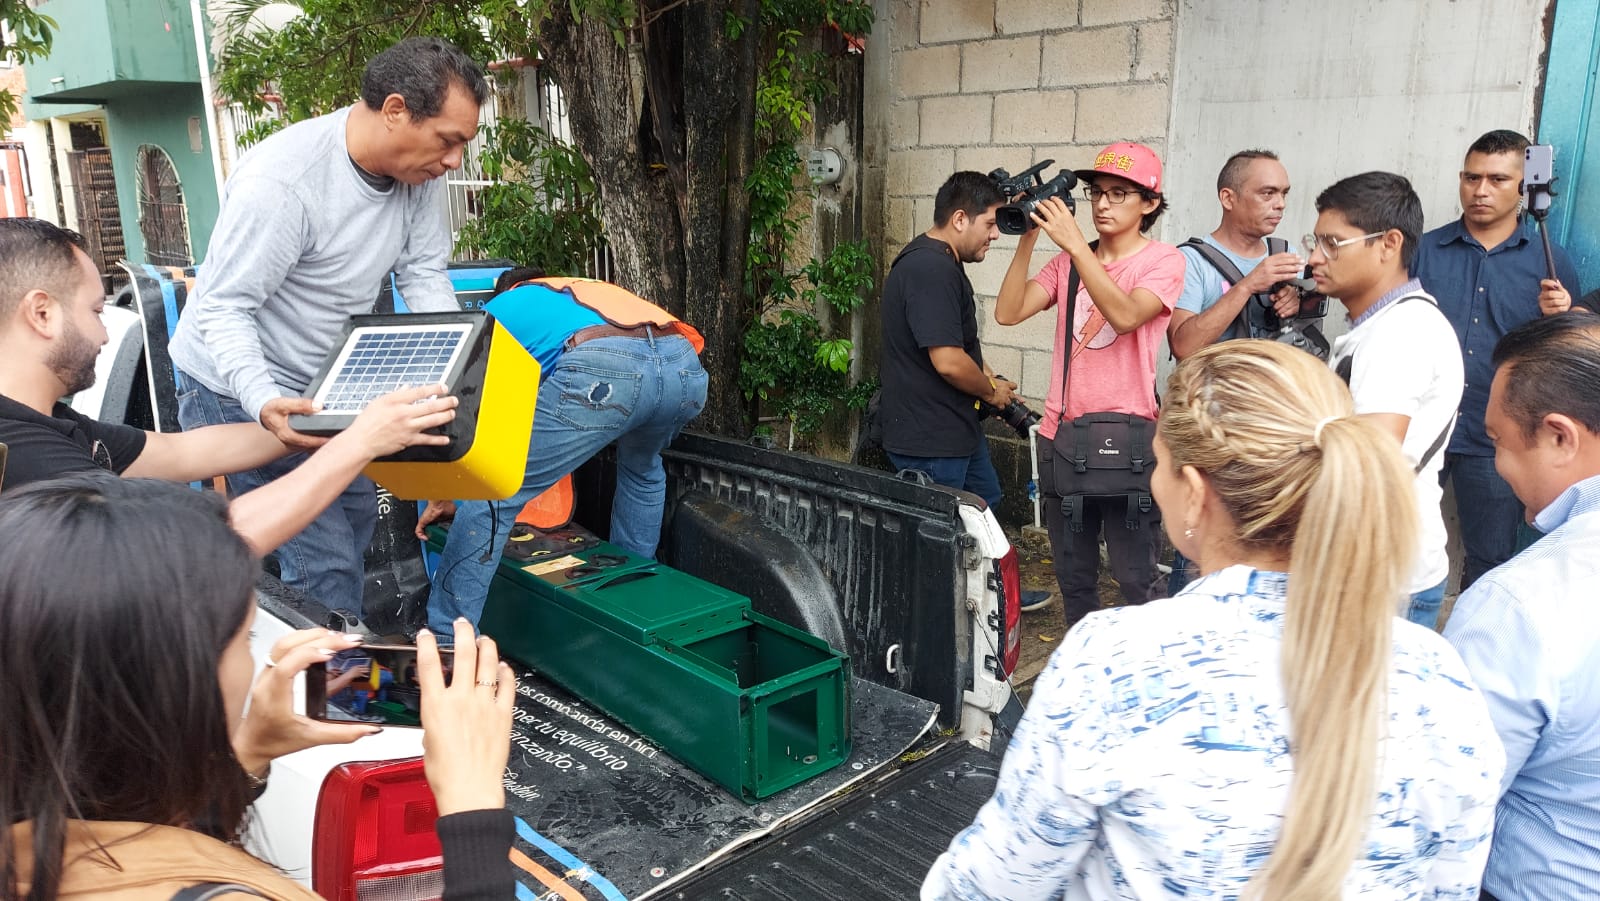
1034,600
339,621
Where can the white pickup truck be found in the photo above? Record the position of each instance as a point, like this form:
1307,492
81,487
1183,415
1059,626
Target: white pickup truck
918,584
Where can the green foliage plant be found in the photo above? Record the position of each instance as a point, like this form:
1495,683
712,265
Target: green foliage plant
791,365
28,36
542,208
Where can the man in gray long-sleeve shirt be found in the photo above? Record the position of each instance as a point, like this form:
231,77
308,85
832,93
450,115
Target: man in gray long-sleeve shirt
313,220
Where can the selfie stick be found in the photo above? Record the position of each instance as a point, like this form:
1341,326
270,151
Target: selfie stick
1539,207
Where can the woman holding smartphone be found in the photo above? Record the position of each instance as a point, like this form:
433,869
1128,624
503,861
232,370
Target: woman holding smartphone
128,759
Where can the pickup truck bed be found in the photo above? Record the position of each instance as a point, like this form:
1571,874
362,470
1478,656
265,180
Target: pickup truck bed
603,814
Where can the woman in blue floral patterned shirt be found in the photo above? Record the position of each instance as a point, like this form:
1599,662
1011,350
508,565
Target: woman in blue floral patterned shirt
1274,731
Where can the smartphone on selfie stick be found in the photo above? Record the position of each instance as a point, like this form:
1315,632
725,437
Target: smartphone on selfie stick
1538,181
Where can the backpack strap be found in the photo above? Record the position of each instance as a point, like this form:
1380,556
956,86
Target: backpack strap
206,891
1230,273
1140,503
1347,365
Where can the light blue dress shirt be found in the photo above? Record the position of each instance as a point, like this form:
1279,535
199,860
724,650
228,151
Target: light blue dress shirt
1153,762
1529,631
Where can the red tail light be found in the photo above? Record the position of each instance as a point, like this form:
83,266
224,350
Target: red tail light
1011,610
375,838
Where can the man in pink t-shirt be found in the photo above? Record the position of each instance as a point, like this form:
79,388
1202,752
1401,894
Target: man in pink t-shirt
1128,285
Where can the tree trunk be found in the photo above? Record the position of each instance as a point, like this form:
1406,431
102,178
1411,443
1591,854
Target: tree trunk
597,76
718,90
670,161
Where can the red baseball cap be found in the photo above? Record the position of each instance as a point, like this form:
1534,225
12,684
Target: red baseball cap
1125,159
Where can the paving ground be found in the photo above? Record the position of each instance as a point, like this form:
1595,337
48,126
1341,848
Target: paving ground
1042,629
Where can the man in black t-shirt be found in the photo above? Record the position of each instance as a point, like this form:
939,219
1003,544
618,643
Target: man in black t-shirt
50,335
932,372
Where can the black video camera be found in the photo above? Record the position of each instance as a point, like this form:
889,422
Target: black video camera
1015,414
1015,218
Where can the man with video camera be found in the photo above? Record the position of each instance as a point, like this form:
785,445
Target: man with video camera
1112,297
1488,270
933,373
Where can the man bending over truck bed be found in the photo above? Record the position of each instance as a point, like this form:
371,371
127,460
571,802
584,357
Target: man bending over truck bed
613,367
50,335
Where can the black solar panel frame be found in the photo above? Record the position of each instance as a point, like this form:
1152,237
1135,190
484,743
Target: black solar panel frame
331,423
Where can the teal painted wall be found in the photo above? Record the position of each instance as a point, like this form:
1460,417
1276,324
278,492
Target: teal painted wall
103,45
161,117
1570,120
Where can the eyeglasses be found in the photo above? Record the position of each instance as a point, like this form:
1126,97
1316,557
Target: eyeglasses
1093,193
1330,246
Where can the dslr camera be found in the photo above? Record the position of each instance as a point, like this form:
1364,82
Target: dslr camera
1015,414
1300,330
1029,188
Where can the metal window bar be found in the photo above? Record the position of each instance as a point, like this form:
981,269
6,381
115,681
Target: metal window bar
163,217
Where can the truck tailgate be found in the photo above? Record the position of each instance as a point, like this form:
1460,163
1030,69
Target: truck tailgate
877,844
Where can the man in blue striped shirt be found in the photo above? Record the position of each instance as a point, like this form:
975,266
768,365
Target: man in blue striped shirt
1529,630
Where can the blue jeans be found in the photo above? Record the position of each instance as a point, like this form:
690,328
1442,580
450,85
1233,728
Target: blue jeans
975,473
327,560
1424,609
1490,514
638,392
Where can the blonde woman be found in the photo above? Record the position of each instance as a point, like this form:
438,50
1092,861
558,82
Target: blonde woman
1274,731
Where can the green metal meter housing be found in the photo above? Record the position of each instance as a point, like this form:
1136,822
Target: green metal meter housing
749,702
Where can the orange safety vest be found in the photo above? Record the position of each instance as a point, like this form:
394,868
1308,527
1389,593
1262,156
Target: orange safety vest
618,306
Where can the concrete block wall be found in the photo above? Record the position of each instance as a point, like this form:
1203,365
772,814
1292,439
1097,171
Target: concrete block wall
985,84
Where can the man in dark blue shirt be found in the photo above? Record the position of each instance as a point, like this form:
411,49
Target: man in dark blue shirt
1488,272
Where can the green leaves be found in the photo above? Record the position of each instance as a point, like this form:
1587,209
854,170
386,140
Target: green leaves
796,370
30,34
544,208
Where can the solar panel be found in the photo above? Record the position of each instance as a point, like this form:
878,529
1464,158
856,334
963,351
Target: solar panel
377,360
475,358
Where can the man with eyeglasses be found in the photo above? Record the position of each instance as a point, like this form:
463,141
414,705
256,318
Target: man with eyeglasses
1112,300
1400,356
1489,272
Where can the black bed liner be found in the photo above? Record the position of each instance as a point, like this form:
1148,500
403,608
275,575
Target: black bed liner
877,844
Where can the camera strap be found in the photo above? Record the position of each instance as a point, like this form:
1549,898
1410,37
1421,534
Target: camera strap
1072,324
1231,274
1347,365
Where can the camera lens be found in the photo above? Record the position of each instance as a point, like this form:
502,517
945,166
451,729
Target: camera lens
1012,219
